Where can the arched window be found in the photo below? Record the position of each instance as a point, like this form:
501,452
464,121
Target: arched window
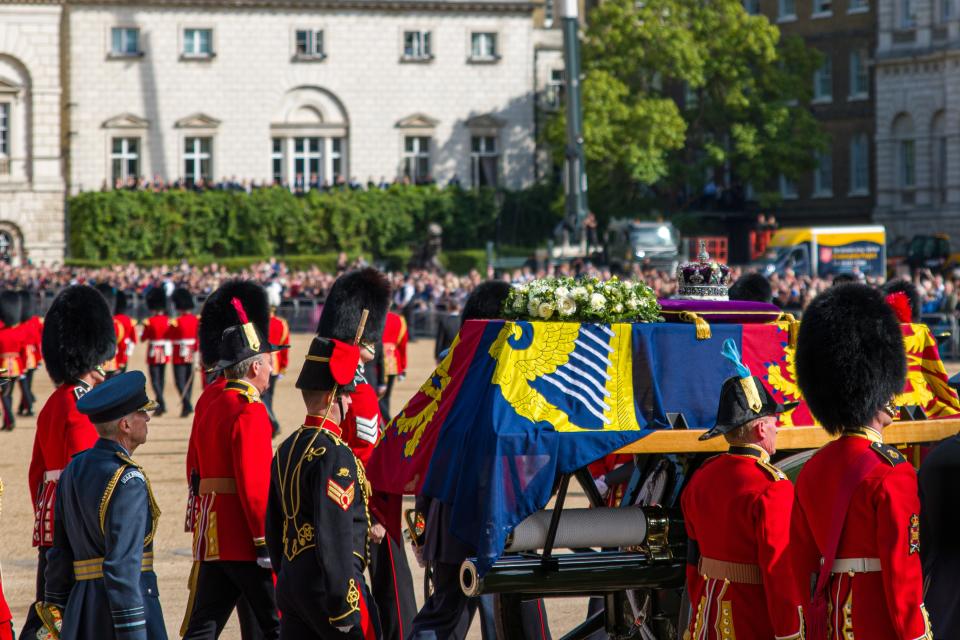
903,135
309,140
938,153
14,118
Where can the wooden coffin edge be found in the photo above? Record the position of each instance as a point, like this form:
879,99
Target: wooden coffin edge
788,438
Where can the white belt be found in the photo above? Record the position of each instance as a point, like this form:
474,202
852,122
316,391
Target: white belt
52,476
159,343
188,342
856,565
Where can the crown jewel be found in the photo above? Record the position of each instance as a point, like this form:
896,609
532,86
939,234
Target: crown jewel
703,279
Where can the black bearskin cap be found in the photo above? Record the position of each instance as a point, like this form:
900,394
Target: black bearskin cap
352,293
486,301
78,333
156,299
10,307
752,287
850,356
123,300
28,307
218,314
910,290
109,294
182,299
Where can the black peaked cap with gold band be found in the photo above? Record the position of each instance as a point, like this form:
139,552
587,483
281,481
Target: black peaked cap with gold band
242,341
743,398
117,397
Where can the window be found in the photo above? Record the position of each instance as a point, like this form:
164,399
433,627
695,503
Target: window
786,9
416,158
483,46
858,6
198,43
788,188
276,160
548,13
906,17
823,81
940,149
308,44
125,159
821,7
946,10
823,174
125,41
752,7
484,161
306,163
859,77
859,165
336,157
553,92
4,129
196,159
416,45
908,176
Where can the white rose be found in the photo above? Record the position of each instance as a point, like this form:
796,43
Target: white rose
532,306
566,306
545,310
632,303
618,308
597,302
579,293
562,292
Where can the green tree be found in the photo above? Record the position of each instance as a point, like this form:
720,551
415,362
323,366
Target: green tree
676,89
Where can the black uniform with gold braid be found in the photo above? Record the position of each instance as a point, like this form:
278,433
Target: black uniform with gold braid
317,521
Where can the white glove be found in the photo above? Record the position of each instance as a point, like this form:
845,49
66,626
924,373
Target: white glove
345,629
264,563
601,485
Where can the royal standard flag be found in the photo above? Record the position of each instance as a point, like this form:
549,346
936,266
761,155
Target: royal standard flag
514,405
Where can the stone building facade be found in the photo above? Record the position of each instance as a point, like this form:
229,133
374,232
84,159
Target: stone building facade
441,90
918,117
843,187
31,174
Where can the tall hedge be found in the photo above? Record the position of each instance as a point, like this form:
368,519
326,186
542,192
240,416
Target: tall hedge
139,225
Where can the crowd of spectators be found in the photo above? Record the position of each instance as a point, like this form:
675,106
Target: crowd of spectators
299,184
418,290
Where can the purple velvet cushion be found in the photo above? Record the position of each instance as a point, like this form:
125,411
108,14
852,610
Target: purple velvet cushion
722,311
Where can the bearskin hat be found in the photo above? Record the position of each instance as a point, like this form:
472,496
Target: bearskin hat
109,294
123,301
486,301
218,314
156,299
28,307
10,307
752,287
850,356
182,299
910,290
78,333
352,293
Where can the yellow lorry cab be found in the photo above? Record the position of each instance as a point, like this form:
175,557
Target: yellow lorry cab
827,251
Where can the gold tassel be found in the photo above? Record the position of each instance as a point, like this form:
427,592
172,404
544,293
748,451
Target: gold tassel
702,326
793,326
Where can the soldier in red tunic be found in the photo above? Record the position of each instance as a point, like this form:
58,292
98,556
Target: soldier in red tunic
159,349
182,334
125,345
856,519
77,338
29,350
12,337
233,453
739,575
393,358
279,335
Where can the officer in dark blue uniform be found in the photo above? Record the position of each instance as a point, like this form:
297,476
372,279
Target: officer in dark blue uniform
99,573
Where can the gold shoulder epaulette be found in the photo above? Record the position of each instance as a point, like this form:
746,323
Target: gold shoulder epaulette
888,453
128,460
771,469
245,391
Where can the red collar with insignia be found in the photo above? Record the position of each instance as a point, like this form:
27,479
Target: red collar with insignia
324,423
